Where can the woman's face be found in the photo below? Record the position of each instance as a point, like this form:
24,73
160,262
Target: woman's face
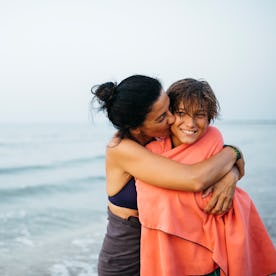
188,128
158,121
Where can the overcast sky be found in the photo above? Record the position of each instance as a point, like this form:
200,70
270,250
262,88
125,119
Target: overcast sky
53,51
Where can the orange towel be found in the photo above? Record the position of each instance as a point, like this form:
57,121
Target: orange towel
178,238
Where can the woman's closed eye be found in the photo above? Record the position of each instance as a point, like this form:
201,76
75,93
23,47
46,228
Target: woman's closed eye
162,117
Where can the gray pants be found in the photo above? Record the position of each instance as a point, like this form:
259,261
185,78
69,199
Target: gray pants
120,253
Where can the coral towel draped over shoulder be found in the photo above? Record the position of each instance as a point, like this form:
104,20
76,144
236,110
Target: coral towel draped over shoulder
178,238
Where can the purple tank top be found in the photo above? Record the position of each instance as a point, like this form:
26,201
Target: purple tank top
127,197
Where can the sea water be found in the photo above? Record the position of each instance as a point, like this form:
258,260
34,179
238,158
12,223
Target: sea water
52,192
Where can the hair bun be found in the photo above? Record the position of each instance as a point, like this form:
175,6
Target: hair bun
105,93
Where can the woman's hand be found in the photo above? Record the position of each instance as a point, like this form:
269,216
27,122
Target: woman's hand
223,192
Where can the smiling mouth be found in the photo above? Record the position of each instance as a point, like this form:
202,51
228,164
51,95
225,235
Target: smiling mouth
188,132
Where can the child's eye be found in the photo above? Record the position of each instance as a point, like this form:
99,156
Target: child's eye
180,113
201,115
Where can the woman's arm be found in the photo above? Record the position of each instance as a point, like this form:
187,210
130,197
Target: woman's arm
163,172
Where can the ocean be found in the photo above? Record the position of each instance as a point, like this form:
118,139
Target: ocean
52,191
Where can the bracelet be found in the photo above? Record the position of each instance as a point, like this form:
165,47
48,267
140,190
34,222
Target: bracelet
238,153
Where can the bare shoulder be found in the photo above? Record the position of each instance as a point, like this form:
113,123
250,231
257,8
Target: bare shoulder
124,147
126,158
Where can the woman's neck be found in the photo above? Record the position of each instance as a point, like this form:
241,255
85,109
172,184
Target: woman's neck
141,139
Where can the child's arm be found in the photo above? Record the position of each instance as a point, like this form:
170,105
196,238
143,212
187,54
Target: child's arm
223,193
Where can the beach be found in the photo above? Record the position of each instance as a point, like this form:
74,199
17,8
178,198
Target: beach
52,191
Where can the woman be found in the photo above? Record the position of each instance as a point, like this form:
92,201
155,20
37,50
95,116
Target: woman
191,242
139,109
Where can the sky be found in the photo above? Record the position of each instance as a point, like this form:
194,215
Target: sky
52,52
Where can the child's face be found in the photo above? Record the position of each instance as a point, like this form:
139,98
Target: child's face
188,128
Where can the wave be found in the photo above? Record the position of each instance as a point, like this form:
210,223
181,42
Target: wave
46,189
247,121
61,164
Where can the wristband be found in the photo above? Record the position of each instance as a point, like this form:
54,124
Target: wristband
238,153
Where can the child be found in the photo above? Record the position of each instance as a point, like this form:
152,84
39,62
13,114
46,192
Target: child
178,238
